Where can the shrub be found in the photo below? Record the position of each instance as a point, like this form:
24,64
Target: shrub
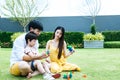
111,35
43,38
5,39
6,44
5,36
15,35
93,29
90,36
112,44
72,38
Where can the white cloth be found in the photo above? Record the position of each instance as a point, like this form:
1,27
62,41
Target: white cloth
18,49
32,50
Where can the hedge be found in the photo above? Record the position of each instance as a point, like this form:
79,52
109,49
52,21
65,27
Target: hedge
5,36
112,44
72,38
5,39
111,35
112,39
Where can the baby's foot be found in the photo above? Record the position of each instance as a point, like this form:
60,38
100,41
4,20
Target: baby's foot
29,75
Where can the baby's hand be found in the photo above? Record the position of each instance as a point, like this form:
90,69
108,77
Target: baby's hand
44,55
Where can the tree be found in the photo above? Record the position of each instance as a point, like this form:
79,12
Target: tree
93,29
23,11
89,7
94,7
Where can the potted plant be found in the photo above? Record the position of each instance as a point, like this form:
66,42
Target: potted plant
93,40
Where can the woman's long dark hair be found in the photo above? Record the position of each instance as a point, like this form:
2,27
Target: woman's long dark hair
61,40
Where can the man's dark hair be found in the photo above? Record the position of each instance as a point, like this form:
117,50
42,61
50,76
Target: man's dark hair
30,36
35,25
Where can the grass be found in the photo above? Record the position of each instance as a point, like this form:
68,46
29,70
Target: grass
97,64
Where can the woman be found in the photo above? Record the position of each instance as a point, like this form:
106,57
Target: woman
57,52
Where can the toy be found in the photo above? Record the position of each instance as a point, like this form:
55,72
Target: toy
70,48
47,52
57,75
67,76
84,76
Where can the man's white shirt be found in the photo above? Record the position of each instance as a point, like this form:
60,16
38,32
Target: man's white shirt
18,49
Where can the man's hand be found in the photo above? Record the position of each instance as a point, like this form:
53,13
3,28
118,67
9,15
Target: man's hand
37,57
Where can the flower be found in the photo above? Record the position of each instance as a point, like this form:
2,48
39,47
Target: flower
90,36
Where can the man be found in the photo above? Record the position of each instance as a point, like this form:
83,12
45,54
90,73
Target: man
19,60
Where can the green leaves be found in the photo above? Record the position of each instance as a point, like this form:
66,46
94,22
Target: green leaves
23,11
90,36
15,35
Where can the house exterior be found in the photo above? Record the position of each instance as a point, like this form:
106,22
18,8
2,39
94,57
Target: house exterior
70,23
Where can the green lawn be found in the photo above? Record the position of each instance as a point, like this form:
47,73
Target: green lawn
97,64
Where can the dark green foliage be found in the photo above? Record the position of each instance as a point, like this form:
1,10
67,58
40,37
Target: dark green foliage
93,28
112,39
43,38
5,39
72,38
111,35
6,44
112,44
5,36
